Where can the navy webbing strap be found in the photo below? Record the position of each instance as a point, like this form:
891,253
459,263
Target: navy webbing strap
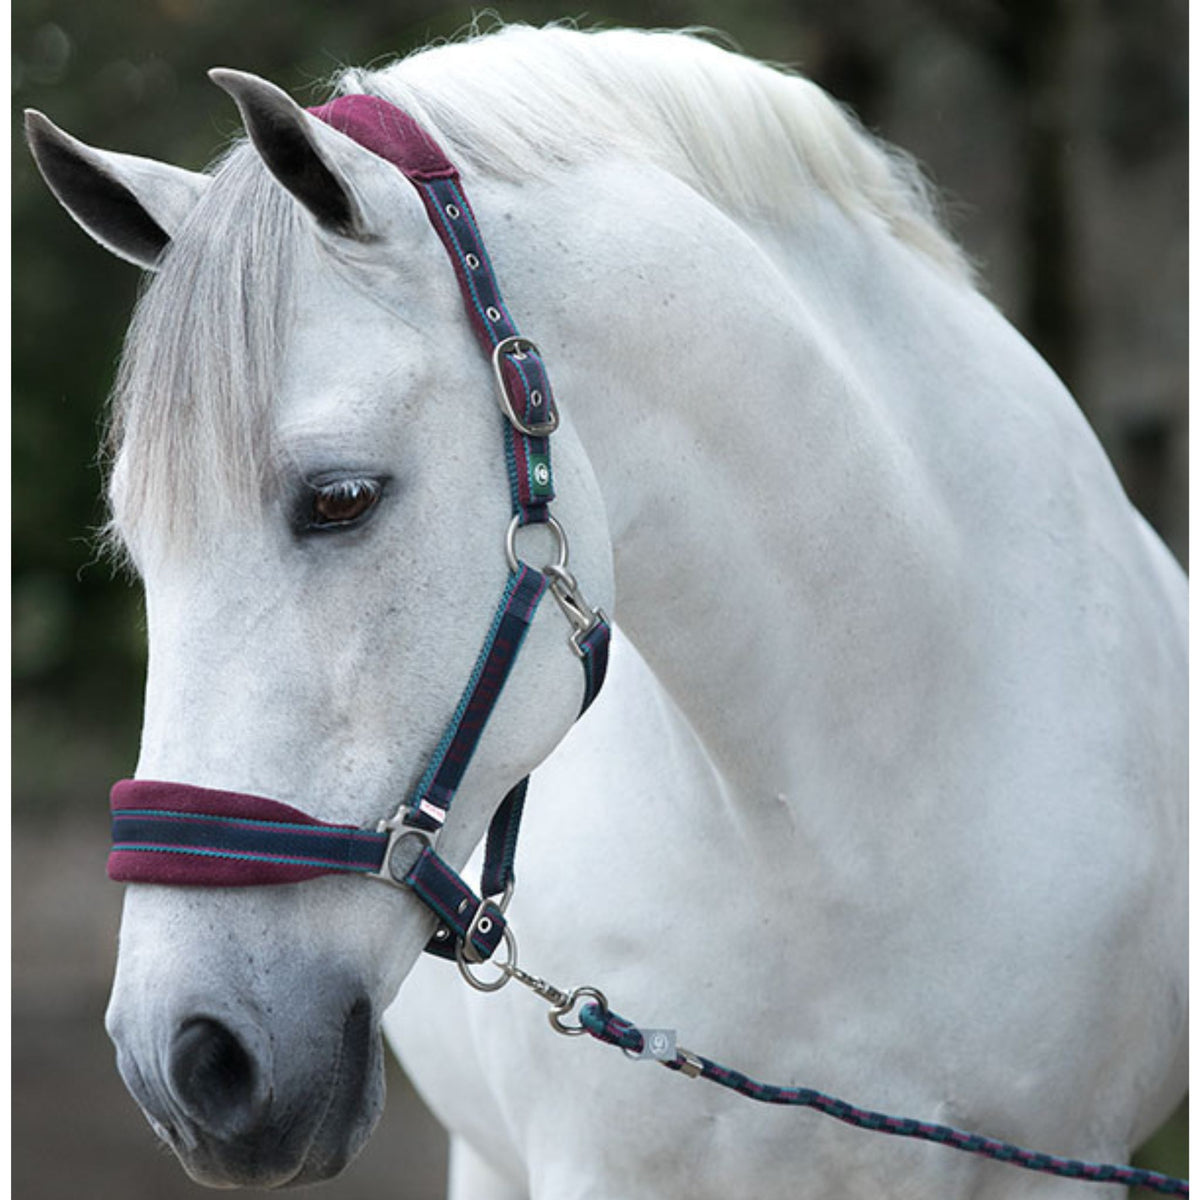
434,793
500,852
524,385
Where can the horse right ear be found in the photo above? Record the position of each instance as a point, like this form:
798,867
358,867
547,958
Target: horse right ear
130,205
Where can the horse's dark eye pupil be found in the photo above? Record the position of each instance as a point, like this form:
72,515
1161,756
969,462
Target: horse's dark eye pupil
342,502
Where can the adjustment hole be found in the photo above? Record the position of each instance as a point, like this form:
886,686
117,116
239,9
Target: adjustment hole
472,262
493,314
452,211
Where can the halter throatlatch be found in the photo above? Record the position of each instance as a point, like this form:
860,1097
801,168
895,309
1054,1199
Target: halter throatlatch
173,833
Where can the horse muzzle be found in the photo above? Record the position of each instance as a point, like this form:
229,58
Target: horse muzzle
247,1108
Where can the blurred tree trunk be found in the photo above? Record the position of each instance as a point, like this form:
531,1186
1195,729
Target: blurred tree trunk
1029,43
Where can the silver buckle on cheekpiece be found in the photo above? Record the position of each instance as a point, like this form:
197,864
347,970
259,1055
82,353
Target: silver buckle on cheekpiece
518,347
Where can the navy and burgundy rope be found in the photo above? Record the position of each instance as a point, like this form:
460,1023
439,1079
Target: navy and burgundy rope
608,1027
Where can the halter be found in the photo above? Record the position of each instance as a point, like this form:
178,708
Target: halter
174,833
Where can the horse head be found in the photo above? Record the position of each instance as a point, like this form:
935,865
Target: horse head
310,479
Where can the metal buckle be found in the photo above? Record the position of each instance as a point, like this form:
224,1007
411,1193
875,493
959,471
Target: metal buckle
518,346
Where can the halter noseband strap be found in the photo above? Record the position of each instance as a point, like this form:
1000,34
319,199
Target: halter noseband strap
173,833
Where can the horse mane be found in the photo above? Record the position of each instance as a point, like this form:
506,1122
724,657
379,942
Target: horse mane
190,412
753,138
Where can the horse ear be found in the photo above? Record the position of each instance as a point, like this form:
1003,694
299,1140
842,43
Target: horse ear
131,206
304,154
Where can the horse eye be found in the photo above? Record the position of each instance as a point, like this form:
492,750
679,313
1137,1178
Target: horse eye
342,502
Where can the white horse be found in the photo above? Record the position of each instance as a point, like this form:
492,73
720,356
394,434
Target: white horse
892,801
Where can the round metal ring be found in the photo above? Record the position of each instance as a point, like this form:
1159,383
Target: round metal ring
557,1013
505,967
563,550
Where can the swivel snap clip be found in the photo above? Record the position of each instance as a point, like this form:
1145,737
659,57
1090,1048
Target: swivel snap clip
564,587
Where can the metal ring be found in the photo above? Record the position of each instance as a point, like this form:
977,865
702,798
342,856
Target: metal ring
560,534
557,1013
505,968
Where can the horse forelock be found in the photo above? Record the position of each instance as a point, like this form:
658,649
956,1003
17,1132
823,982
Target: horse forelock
189,421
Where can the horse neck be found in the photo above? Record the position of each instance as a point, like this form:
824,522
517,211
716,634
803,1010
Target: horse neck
767,416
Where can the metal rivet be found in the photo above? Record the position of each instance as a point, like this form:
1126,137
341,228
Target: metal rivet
472,262
441,933
485,925
493,314
452,212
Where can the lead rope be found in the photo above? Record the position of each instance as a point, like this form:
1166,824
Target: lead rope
598,1020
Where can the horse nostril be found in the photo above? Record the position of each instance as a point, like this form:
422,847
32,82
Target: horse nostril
215,1077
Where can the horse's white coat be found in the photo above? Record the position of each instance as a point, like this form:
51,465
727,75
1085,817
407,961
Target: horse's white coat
895,804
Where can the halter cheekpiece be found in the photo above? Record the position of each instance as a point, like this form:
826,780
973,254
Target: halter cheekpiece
174,833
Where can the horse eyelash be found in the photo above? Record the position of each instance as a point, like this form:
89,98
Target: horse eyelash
351,486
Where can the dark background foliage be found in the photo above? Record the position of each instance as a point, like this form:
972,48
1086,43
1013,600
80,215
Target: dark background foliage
1056,128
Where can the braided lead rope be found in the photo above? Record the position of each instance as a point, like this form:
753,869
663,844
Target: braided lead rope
608,1027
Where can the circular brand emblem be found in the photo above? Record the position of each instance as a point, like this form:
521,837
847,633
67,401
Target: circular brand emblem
541,474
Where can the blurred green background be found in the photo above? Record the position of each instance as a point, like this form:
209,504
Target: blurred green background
1056,128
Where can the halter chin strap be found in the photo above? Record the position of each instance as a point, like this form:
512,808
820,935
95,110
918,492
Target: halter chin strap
174,833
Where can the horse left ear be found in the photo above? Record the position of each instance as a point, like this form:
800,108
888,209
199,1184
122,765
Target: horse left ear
304,154
130,205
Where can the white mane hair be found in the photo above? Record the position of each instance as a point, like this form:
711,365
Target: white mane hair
189,420
751,137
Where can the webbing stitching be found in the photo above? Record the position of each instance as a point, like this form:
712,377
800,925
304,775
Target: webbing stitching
245,855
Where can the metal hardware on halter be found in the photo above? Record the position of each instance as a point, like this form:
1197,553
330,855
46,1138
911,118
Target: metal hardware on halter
519,346
563,1010
562,549
481,923
562,1003
405,845
564,587
508,968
